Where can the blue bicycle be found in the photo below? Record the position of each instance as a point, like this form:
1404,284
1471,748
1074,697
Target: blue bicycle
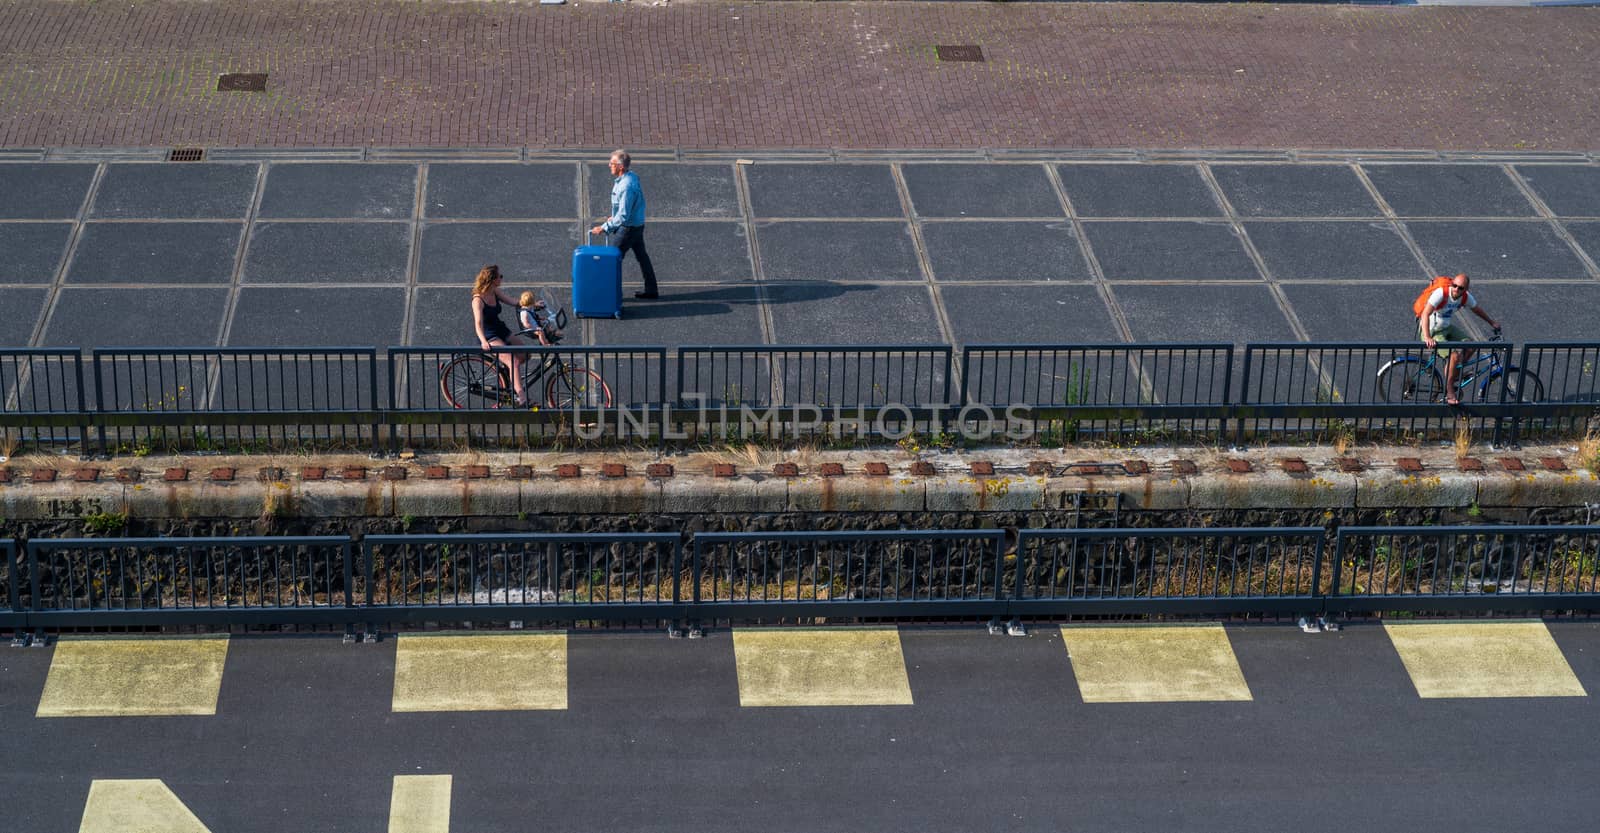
1420,378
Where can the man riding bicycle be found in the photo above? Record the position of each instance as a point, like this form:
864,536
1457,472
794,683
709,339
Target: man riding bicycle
1436,323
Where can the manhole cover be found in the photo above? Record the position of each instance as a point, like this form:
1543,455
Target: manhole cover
244,82
186,155
963,52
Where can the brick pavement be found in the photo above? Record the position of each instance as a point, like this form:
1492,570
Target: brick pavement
793,75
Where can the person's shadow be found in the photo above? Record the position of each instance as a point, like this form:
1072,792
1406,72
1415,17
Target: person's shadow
713,301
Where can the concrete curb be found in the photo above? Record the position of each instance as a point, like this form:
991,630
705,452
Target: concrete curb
1013,480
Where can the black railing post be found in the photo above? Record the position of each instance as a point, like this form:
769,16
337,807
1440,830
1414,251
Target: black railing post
372,402
349,556
83,408
1338,566
1316,574
677,571
99,402
1244,395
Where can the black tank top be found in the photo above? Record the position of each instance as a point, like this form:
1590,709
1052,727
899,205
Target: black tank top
493,327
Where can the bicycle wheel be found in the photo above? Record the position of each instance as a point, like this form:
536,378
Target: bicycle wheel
1519,386
472,382
1407,379
577,385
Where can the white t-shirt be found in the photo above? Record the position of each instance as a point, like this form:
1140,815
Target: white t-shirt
1444,309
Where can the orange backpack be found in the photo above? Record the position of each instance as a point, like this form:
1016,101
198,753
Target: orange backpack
1421,303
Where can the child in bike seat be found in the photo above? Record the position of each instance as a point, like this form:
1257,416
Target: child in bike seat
537,320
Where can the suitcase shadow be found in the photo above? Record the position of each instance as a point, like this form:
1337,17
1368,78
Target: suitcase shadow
720,300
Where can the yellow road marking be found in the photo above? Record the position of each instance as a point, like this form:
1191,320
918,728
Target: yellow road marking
136,806
1483,659
1154,664
840,667
130,677
499,672
420,804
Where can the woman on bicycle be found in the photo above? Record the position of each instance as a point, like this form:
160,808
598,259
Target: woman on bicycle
487,298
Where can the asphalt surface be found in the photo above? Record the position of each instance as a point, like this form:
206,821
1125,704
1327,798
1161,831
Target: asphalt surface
654,738
897,248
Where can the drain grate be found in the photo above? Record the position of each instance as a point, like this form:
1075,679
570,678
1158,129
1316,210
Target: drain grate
242,82
969,52
186,155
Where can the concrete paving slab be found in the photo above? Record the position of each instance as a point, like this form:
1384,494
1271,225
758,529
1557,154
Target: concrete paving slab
693,252
1177,250
1449,191
292,252
672,191
830,313
305,191
420,804
1483,659
685,314
1005,251
498,190
53,191
318,317
1542,311
19,314
1202,312
125,677
1029,314
1321,251
495,672
810,667
1154,664
32,252
525,252
107,317
1497,250
1567,190
1138,191
981,190
173,191
1357,312
155,253
798,190
1588,236
118,805
1295,191
831,251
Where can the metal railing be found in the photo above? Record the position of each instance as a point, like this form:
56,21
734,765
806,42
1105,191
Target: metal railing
205,398
878,573
546,575
741,390
239,398
1465,567
1070,393
1177,570
764,575
10,595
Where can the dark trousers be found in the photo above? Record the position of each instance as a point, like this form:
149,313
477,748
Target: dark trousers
631,238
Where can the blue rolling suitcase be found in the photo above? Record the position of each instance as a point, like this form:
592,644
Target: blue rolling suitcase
597,282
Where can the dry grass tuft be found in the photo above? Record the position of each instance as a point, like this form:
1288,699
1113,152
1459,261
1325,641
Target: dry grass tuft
9,444
1463,437
1589,449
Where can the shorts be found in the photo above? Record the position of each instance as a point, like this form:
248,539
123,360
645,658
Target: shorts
1451,332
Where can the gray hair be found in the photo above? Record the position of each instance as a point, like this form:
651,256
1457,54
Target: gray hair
622,158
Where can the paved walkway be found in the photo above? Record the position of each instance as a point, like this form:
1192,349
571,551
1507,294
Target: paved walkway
1427,727
961,250
794,75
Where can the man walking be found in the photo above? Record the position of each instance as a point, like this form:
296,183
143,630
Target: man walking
625,227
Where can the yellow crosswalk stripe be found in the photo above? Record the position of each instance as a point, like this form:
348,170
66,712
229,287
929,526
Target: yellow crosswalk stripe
832,667
131,677
136,806
420,804
1483,659
496,672
1154,664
